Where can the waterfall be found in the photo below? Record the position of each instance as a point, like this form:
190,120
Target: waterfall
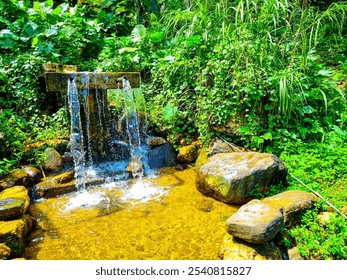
106,144
76,134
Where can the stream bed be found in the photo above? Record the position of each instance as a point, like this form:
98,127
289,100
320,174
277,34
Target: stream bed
161,217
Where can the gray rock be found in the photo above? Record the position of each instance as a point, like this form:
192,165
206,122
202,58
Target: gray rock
293,204
155,141
35,174
162,156
16,177
236,177
218,146
255,222
294,255
11,207
52,160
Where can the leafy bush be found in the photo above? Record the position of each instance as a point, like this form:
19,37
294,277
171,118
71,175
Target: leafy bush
319,240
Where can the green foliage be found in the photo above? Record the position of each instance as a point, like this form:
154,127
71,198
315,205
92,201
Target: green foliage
319,240
321,166
261,65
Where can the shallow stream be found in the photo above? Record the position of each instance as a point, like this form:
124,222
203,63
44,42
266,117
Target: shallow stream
161,217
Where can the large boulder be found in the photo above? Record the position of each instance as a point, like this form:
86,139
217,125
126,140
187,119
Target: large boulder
162,156
236,177
255,222
52,160
234,248
12,233
14,202
293,204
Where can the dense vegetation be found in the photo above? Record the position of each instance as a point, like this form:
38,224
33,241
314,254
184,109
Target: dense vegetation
268,75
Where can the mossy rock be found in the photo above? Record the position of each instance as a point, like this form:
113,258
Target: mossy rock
235,177
13,233
16,177
11,207
233,248
5,251
17,192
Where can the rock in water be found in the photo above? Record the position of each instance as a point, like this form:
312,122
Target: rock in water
13,202
16,177
187,154
235,249
12,233
162,156
11,207
236,177
255,222
135,167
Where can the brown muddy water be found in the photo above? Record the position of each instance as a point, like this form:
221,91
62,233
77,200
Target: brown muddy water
159,218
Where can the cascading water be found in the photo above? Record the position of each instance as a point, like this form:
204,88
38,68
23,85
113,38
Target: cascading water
76,135
106,141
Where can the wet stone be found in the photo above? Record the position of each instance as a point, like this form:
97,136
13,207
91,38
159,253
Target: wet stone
12,233
162,156
53,161
233,248
255,222
187,154
11,207
16,177
155,141
14,202
5,251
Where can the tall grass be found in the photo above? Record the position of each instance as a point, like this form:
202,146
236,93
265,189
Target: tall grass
254,58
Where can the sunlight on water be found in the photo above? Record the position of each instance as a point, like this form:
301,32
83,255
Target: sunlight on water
160,218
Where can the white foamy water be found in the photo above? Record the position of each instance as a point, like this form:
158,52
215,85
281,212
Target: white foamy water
84,199
143,191
139,192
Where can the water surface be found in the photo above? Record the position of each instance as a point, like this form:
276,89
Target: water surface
157,218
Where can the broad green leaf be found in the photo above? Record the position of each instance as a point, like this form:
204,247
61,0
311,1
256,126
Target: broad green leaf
36,6
245,130
50,3
57,11
267,136
169,111
138,33
35,41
